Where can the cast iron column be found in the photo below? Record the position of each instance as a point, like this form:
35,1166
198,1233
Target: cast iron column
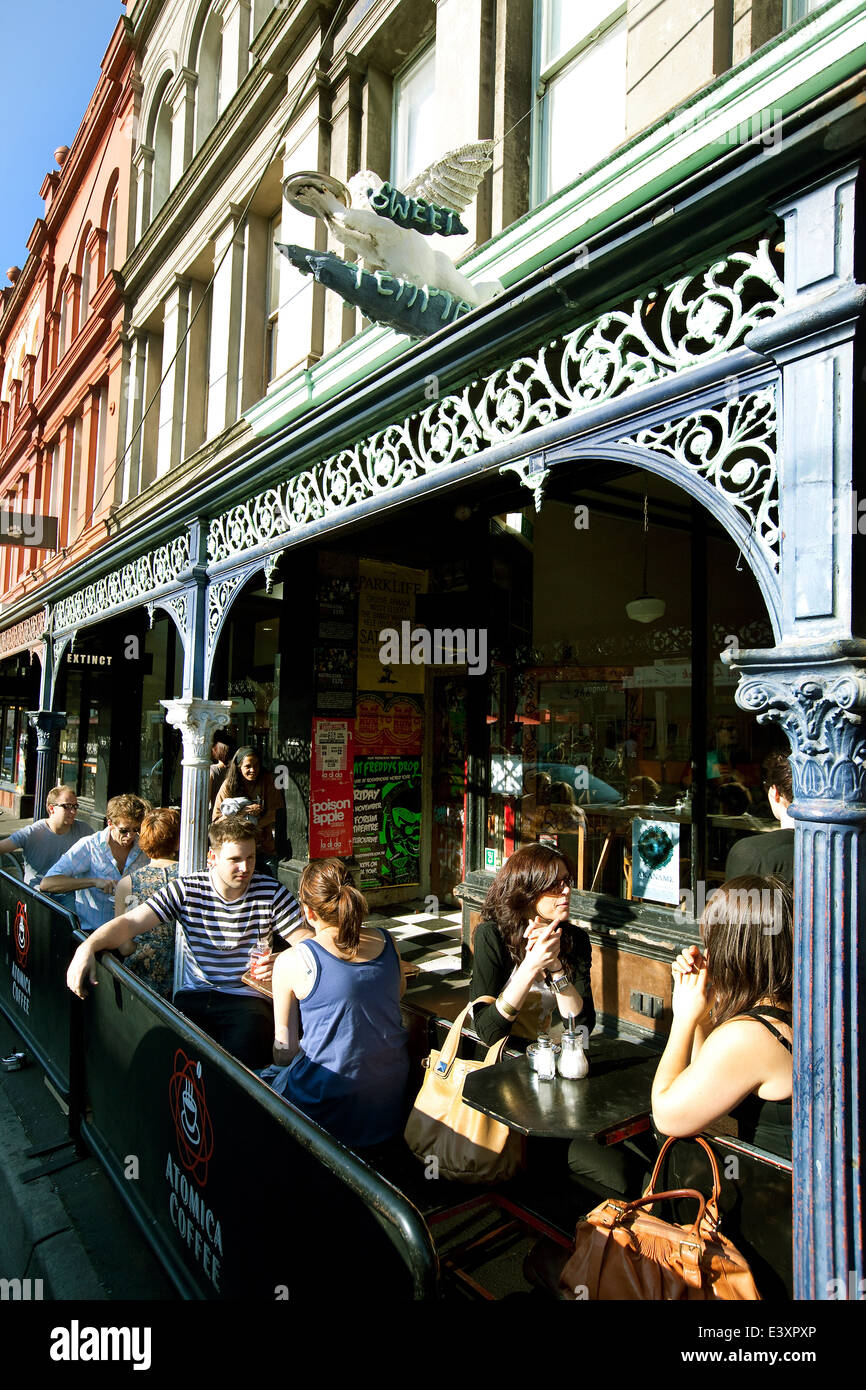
198,721
47,723
818,697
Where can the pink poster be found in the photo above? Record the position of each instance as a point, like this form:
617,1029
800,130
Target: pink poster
331,788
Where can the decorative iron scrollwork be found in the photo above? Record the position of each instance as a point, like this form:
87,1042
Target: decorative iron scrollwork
732,446
698,317
137,580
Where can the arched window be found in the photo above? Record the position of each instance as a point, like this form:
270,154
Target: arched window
110,224
159,130
62,307
209,67
86,279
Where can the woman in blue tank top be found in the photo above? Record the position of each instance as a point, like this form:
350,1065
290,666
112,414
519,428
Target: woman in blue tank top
349,1074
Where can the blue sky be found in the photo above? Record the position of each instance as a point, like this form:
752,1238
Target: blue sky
51,51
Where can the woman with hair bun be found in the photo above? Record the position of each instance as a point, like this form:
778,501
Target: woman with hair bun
730,1045
350,1073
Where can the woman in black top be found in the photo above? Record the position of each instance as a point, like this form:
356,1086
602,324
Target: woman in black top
730,1044
526,950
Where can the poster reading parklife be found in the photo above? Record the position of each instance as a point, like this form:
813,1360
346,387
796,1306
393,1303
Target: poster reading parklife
655,860
387,828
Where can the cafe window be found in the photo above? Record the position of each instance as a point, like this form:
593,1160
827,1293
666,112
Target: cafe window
612,725
414,118
13,724
580,79
160,749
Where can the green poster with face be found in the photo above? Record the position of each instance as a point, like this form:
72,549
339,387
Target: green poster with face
387,821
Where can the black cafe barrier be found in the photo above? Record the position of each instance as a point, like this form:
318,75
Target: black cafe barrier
37,948
240,1194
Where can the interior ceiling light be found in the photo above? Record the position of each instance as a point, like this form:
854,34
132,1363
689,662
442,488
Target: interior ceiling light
645,608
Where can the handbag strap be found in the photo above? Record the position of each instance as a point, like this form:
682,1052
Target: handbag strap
711,1203
675,1192
449,1048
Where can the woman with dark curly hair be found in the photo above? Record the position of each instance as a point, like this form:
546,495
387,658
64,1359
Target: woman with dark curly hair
526,952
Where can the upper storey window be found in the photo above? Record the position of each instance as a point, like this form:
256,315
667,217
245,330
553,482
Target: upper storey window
414,118
795,10
580,67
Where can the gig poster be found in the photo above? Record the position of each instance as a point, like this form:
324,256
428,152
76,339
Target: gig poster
387,826
336,633
331,790
386,599
388,723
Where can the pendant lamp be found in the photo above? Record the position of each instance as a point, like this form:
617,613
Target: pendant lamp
645,608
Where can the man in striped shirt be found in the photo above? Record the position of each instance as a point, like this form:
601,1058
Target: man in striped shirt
224,914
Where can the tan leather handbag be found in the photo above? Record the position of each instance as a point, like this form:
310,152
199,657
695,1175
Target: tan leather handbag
623,1252
467,1146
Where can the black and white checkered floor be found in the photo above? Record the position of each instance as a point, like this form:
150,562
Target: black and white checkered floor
429,940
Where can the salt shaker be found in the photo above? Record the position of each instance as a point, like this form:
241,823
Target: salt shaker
542,1058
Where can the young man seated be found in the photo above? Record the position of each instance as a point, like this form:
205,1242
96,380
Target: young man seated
223,914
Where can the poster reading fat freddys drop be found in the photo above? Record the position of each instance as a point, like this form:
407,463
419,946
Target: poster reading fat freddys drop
387,829
331,802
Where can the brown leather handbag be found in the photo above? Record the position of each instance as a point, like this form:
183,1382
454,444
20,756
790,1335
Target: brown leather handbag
623,1252
467,1145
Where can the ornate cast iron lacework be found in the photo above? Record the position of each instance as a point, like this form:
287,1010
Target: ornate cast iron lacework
176,605
219,598
25,634
701,316
732,446
116,589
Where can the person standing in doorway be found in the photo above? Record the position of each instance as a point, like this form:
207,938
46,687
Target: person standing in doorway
247,782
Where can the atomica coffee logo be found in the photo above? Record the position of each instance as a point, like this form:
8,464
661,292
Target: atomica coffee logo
192,1218
20,980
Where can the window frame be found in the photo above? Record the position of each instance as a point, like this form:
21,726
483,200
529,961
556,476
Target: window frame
542,77
423,52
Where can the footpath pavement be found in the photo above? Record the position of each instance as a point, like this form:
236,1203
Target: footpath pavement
68,1228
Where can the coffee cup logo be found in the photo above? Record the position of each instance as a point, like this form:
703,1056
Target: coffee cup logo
22,935
190,1114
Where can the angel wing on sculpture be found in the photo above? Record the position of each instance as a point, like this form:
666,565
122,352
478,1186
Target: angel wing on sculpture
390,229
454,179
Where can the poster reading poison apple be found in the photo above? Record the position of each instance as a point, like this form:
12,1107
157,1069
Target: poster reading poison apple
331,788
387,830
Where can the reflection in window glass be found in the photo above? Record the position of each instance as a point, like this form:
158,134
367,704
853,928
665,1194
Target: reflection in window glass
414,119
587,98
564,23
590,716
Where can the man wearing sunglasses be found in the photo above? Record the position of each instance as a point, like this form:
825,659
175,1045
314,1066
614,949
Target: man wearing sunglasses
93,868
45,841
